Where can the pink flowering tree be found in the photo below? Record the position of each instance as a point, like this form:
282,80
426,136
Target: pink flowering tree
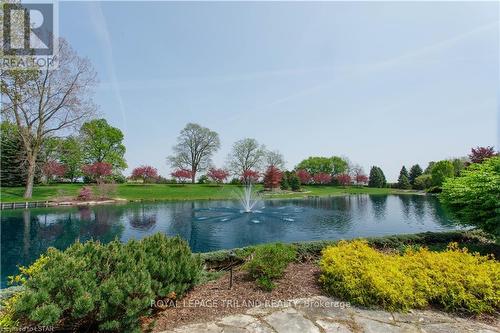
146,173
218,175
361,179
53,170
344,179
97,171
182,175
250,176
322,178
304,176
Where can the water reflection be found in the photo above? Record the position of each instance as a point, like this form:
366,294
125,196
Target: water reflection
212,225
379,203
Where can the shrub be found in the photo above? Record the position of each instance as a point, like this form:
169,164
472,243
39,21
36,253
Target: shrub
106,191
422,182
474,197
85,194
440,171
235,181
105,287
203,179
293,181
269,262
454,279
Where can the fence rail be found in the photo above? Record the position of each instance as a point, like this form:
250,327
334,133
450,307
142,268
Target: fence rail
27,204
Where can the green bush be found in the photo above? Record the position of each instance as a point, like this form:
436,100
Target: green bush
422,182
440,171
104,286
454,279
269,262
474,197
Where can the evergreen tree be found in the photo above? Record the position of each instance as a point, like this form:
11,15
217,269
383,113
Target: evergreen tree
403,181
377,177
11,169
415,171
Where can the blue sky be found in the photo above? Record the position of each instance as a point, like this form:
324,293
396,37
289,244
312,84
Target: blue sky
383,83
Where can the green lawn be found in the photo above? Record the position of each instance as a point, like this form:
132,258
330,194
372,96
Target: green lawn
180,192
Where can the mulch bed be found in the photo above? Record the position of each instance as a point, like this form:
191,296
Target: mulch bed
214,299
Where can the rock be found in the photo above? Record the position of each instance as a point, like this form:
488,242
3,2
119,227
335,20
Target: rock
331,327
199,328
240,320
290,320
374,326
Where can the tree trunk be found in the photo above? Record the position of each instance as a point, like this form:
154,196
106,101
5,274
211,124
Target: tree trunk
193,176
28,192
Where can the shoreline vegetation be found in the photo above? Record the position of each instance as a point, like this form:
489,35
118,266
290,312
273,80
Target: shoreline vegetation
66,194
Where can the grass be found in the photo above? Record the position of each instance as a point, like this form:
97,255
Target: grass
180,192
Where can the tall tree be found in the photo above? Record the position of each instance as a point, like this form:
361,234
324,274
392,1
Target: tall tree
403,179
415,171
103,143
334,165
42,102
275,158
194,149
13,167
246,154
377,177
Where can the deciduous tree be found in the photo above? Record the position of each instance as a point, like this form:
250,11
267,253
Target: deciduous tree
344,179
250,176
43,102
194,149
440,171
97,171
331,165
146,173
272,177
218,175
53,170
474,197
182,175
246,154
275,158
322,178
479,154
304,176
72,157
103,143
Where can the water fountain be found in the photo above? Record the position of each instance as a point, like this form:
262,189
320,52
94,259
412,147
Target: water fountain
248,198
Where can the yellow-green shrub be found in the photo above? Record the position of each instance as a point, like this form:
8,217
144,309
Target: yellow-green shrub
454,279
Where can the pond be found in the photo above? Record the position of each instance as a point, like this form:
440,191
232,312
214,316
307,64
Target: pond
214,225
